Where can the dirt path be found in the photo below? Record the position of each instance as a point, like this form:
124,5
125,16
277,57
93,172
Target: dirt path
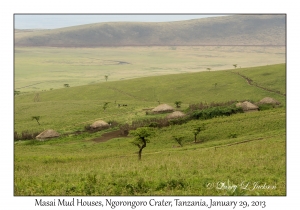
250,82
109,135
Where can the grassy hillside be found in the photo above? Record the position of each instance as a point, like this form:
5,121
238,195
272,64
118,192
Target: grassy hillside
225,30
79,166
246,150
71,108
38,69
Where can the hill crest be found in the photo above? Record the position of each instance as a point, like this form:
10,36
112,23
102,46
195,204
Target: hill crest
224,30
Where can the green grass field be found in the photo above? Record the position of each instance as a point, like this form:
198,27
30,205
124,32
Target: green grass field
69,109
247,149
38,69
79,166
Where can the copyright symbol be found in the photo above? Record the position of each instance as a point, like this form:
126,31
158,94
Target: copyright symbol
209,185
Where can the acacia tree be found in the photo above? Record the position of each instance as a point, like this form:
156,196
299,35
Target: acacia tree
178,139
196,131
37,118
106,77
105,105
178,104
141,138
235,65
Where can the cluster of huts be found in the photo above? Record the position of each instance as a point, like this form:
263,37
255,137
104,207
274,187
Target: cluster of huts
164,108
250,107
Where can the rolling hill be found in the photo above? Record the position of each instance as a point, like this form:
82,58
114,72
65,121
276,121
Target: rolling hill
225,30
71,108
240,148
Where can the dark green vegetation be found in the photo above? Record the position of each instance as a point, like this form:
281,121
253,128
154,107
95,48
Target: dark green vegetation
242,148
226,30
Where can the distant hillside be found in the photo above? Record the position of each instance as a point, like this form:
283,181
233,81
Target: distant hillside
224,30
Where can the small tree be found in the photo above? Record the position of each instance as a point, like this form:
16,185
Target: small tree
17,92
141,138
178,139
37,118
66,85
178,104
105,105
235,65
106,77
208,69
196,131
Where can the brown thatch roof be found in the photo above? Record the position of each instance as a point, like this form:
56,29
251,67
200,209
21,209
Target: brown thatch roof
176,114
99,124
269,100
47,134
163,108
239,104
247,106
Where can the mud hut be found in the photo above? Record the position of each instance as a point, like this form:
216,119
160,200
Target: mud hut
174,115
99,124
47,134
269,100
247,106
163,108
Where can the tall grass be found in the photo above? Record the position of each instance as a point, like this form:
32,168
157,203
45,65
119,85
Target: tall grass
240,148
112,168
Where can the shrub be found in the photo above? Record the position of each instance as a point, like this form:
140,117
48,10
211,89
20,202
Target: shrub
25,135
178,139
113,123
201,105
263,107
232,135
216,111
178,104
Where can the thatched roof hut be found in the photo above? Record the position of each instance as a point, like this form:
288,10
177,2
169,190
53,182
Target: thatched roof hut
269,100
247,106
99,124
47,134
163,108
239,104
176,114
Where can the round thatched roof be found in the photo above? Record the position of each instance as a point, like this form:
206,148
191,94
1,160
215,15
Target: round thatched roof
176,114
239,104
99,124
163,108
247,106
269,100
47,134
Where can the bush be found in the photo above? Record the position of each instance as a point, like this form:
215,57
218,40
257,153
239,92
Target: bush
26,135
201,105
113,123
263,107
215,112
178,139
232,135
